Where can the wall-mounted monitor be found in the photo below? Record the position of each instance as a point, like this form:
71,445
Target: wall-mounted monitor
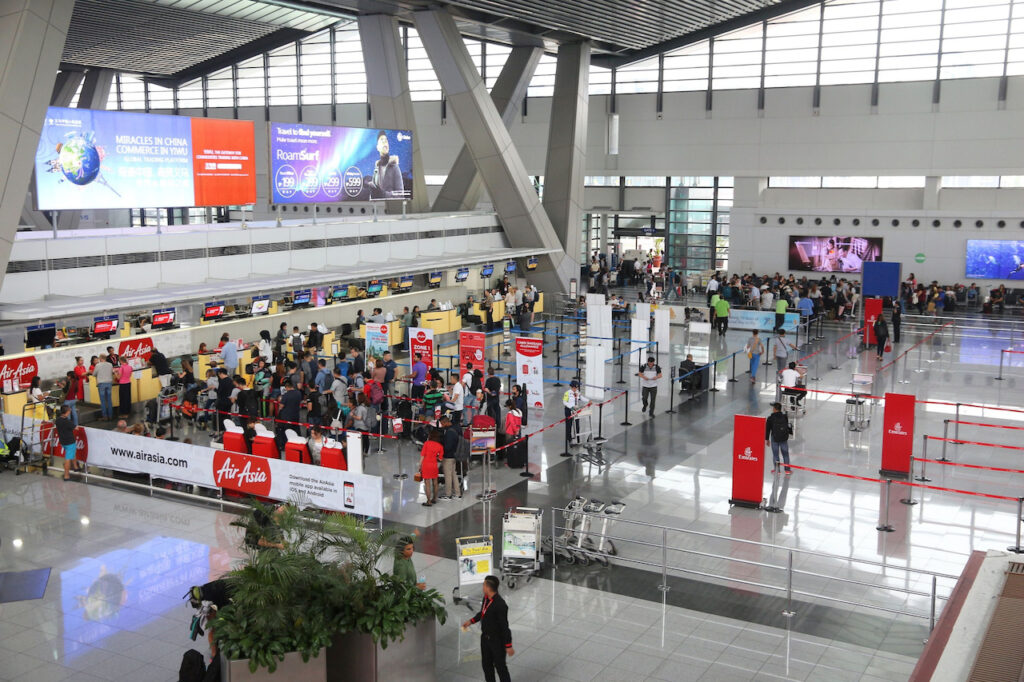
531,263
462,274
435,278
406,282
374,287
114,159
302,297
995,259
833,254
487,270
510,266
311,164
163,318
213,311
260,306
41,336
339,293
104,325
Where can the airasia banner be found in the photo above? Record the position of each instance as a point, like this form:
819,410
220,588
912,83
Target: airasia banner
377,339
471,349
529,368
331,489
872,309
747,460
136,349
898,434
17,373
421,340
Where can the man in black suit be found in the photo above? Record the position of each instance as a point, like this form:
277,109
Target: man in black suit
495,636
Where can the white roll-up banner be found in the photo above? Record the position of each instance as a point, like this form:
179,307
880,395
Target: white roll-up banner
662,333
306,484
639,334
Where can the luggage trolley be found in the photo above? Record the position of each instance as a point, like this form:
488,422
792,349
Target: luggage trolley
857,418
587,447
520,544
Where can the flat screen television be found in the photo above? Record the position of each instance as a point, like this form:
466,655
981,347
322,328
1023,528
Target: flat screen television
302,297
435,278
260,306
104,325
487,270
212,311
339,293
531,263
41,336
462,275
406,282
995,259
163,318
510,266
374,287
833,254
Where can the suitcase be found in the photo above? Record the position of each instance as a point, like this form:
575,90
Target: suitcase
516,455
404,412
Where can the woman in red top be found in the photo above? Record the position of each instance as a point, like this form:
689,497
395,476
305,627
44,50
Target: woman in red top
430,455
82,372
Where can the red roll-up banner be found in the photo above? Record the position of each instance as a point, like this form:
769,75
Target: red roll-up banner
747,460
872,309
471,349
897,434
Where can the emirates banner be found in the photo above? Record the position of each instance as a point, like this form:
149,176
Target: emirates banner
747,460
421,340
898,434
471,349
332,489
530,368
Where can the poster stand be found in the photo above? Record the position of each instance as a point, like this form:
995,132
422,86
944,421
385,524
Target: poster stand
474,558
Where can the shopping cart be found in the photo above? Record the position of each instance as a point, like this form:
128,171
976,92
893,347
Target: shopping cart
520,545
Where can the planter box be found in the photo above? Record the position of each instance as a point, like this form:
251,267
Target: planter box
291,669
356,658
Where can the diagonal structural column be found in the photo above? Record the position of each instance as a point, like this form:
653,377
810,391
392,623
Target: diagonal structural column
32,35
462,189
567,148
387,85
502,171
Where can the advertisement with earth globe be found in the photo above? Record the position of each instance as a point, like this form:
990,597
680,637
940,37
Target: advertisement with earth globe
111,159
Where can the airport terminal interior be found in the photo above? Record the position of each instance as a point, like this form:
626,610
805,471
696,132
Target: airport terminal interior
677,340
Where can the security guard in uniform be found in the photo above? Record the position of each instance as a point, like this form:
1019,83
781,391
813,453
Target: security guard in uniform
572,401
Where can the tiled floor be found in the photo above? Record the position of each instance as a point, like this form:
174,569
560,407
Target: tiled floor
121,561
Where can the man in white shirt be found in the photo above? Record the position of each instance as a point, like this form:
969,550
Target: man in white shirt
649,375
454,398
712,288
790,379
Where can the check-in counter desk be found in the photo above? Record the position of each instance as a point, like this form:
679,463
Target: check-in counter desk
15,402
497,311
441,321
244,358
396,333
145,386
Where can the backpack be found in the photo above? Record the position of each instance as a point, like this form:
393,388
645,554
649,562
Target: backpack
477,383
513,423
780,430
193,667
374,392
247,403
371,418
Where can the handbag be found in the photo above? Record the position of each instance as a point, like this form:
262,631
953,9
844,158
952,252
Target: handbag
418,477
888,347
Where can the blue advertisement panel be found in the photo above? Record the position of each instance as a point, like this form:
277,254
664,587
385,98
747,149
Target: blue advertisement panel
995,259
113,159
312,164
762,320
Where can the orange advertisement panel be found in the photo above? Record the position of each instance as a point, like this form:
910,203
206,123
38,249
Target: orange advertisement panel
223,162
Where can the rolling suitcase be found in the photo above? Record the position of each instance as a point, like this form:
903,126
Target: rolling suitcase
516,455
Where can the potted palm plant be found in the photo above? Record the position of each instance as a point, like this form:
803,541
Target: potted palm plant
312,583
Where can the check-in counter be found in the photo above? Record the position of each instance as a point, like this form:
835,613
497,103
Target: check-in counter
396,333
538,303
497,311
441,321
15,402
145,387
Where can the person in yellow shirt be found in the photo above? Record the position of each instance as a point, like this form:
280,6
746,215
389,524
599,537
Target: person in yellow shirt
780,312
721,315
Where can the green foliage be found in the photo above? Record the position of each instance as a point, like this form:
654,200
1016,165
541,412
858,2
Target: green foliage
325,582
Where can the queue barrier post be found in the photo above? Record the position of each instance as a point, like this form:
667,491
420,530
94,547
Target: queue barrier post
956,427
671,391
789,612
401,475
924,460
622,365
884,526
664,587
909,499
945,440
931,615
380,434
733,379
625,410
714,377
1017,549
600,423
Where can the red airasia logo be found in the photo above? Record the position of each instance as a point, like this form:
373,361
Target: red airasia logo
421,336
136,348
81,444
383,329
19,370
243,473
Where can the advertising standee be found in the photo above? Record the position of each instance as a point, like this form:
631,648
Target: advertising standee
471,349
529,369
376,339
747,461
421,340
898,434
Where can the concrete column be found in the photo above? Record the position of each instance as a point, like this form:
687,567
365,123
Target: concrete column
567,148
462,189
747,240
502,171
32,34
604,233
930,197
387,85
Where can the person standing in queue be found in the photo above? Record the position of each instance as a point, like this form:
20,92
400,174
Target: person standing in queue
897,319
754,349
776,433
649,375
571,401
66,437
495,635
881,328
418,376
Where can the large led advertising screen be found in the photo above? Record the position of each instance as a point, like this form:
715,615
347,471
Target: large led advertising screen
114,159
833,254
312,164
995,259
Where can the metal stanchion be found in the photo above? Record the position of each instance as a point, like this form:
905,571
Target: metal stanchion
671,391
380,435
885,526
714,377
909,499
1017,549
945,439
401,475
931,616
924,460
625,411
622,364
733,379
956,426
600,423
789,612
664,561
558,371
486,491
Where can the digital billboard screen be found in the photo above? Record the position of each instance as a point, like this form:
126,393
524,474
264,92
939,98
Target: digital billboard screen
163,318
104,325
113,159
833,254
212,311
260,306
995,259
312,164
